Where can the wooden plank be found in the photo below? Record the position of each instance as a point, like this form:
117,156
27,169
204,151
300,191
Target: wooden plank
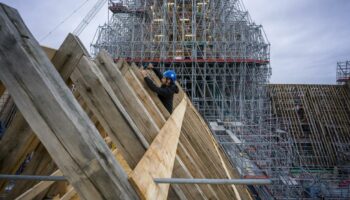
91,84
55,115
159,159
38,188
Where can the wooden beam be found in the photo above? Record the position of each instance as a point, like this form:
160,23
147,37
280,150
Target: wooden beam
158,161
19,138
93,87
55,116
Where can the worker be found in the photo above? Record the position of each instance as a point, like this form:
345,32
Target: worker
168,88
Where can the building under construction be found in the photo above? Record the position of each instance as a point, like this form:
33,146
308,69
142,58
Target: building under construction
222,59
282,141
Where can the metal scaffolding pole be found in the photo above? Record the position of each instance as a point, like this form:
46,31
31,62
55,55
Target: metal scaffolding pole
213,181
32,177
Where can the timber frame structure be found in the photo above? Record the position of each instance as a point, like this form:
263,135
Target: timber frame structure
94,122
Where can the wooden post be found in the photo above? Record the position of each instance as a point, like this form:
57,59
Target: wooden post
55,116
158,162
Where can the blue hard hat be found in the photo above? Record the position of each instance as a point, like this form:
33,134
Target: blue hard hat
170,74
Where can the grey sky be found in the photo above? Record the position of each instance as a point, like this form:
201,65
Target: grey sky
307,37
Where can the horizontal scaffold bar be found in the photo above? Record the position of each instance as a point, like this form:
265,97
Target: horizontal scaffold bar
213,181
32,177
202,60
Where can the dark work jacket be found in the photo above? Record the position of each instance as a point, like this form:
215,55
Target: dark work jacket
165,93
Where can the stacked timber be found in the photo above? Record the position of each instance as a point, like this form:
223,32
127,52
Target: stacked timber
96,123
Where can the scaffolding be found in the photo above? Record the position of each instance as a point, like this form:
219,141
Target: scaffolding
316,119
343,72
222,59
